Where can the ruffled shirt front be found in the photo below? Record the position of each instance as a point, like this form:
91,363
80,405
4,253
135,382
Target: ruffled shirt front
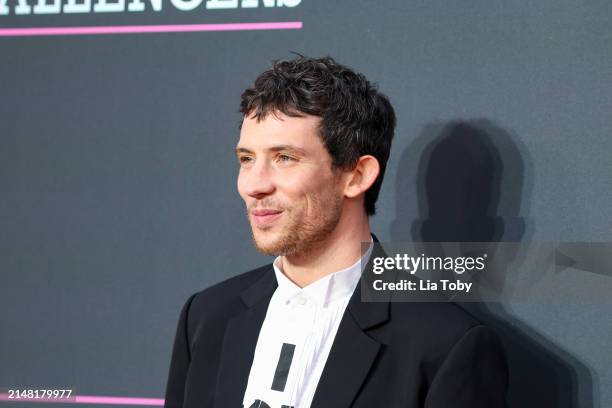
296,337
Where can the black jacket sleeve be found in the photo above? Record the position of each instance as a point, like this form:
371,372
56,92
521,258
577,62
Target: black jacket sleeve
179,364
474,374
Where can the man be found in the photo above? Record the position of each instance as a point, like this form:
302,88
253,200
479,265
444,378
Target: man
313,147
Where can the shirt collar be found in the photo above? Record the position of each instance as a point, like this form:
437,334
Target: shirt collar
331,287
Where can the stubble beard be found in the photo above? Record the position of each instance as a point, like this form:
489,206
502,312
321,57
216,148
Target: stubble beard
301,236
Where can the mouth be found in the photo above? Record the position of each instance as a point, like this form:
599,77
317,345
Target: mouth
263,218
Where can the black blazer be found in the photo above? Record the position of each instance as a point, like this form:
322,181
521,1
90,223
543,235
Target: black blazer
385,354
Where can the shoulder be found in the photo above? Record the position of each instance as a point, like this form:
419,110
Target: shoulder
229,288
434,328
455,354
433,316
222,300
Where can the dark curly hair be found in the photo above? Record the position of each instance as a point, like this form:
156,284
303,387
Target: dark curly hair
356,119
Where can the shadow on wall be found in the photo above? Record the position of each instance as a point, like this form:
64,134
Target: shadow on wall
472,183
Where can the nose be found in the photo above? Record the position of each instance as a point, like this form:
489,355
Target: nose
257,181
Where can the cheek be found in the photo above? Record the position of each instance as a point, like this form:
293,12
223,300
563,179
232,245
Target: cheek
295,195
320,196
306,192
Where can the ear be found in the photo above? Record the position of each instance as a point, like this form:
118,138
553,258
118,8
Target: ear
362,176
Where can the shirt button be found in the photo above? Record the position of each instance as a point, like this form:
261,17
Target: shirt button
301,300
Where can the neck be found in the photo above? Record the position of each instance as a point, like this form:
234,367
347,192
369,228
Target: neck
341,249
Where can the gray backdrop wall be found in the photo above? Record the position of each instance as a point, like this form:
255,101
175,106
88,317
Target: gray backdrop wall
117,172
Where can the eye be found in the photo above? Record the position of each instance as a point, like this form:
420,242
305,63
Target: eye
285,158
245,159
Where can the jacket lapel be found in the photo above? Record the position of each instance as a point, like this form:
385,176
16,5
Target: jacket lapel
348,364
240,340
350,360
353,351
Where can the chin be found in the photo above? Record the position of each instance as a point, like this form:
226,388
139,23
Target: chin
268,242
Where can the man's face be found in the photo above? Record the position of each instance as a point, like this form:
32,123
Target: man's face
292,196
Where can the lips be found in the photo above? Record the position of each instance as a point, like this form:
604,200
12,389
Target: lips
264,212
265,217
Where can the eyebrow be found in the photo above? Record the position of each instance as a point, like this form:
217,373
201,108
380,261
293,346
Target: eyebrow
274,149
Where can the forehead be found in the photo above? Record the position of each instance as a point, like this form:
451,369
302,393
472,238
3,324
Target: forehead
280,129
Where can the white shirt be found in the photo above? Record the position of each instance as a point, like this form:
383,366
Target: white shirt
296,337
